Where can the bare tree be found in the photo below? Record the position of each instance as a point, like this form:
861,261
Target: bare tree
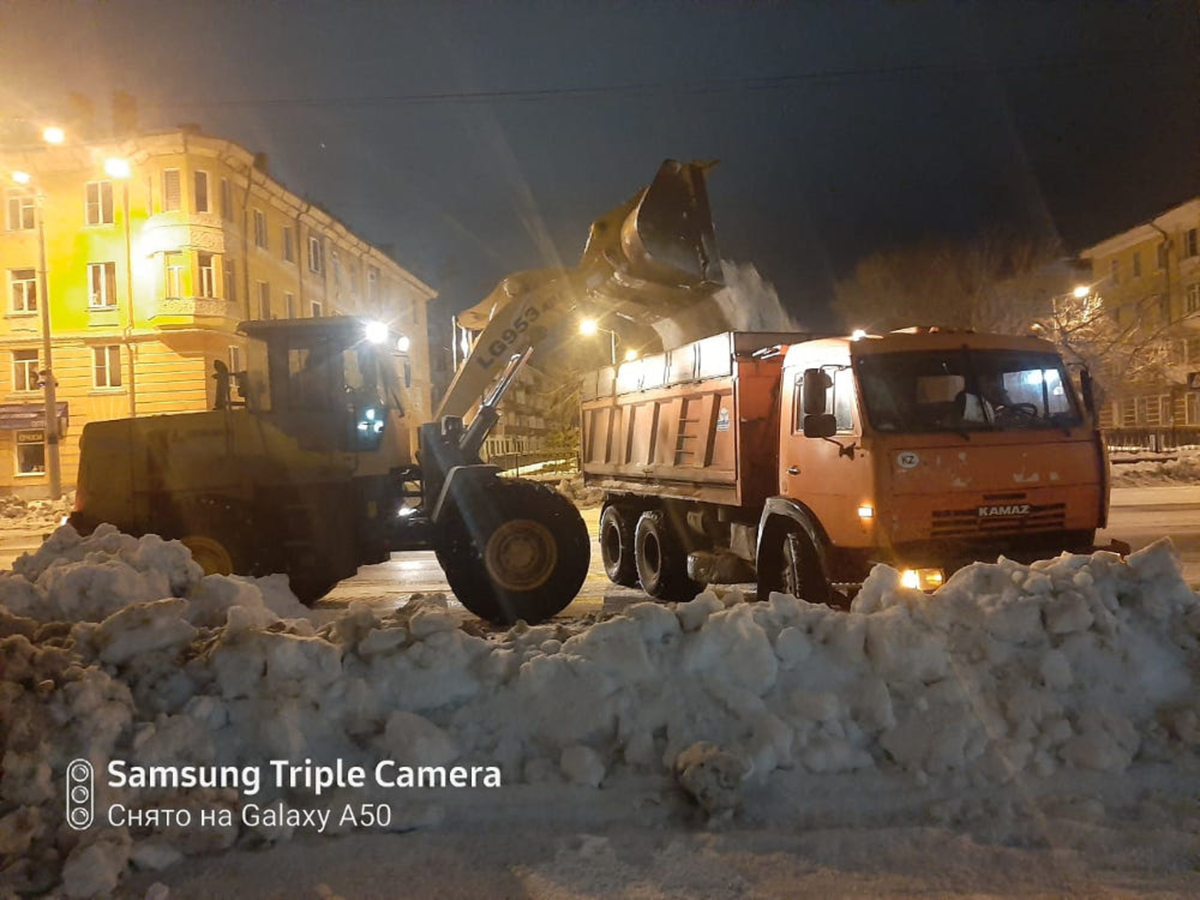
999,282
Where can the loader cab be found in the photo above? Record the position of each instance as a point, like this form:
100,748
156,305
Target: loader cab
329,382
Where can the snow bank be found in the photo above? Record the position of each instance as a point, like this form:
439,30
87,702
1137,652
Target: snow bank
1131,469
115,647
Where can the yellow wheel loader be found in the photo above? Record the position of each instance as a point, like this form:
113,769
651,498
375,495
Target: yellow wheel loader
312,474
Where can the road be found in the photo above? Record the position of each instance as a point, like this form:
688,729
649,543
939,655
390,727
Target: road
1138,516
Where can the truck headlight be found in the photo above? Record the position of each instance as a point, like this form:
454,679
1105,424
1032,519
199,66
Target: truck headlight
922,579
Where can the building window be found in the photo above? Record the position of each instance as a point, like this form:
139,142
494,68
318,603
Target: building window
200,191
289,244
1193,349
235,359
1190,248
260,229
264,300
1162,255
1164,309
106,366
1193,408
20,211
24,290
208,275
226,200
1137,264
372,284
289,303
1193,297
316,254
175,270
25,370
336,260
1116,271
316,309
31,452
99,203
171,199
230,281
102,284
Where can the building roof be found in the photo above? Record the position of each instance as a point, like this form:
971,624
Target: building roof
1186,213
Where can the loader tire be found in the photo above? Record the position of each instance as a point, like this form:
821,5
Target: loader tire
661,559
522,557
616,545
218,533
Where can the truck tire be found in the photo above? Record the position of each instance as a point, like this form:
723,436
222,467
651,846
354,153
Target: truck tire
793,567
218,532
661,559
616,546
524,557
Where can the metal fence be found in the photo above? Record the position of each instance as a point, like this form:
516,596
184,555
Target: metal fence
1155,440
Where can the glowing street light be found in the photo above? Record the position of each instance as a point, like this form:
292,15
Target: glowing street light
115,167
1081,291
590,327
22,177
630,355
52,134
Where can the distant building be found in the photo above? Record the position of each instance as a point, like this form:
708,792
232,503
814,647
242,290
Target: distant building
1149,279
151,264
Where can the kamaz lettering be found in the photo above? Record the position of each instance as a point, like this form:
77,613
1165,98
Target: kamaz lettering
1014,509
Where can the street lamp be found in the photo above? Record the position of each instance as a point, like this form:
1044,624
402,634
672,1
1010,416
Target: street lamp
53,469
590,327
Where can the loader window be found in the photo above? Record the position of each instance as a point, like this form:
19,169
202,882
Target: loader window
966,390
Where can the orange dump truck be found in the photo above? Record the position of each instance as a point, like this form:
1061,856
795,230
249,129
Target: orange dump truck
799,462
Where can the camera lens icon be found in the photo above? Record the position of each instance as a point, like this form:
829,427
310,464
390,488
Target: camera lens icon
80,794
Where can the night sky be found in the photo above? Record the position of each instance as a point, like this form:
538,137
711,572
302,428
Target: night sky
480,139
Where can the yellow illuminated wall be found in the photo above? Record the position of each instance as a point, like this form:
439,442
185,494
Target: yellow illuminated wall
148,277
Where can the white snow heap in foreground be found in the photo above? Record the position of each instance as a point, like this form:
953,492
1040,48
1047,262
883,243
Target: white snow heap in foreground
116,647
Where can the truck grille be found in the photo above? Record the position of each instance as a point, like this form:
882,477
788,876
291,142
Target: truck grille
1007,515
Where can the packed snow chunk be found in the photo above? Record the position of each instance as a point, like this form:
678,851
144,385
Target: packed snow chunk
429,620
211,600
582,765
882,589
903,649
154,854
1067,614
93,870
1106,742
20,597
793,647
694,613
616,647
658,624
1165,593
712,777
732,644
277,595
413,740
142,628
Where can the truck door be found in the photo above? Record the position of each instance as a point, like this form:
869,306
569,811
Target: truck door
829,475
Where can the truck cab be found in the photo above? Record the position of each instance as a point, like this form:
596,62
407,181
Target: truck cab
927,449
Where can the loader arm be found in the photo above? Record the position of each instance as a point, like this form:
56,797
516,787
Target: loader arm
646,260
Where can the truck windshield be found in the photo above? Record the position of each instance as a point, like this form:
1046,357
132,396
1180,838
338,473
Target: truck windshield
966,390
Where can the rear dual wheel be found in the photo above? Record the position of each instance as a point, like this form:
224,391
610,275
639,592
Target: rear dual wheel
661,558
616,545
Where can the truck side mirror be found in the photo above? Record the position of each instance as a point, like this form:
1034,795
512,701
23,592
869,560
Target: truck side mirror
820,425
816,383
1085,388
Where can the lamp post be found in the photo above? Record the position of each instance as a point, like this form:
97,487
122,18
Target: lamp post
590,326
119,169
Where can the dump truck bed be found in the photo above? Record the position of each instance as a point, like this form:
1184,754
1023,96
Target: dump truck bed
699,422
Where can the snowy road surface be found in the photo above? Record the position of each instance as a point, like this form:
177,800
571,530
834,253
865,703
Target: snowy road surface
1139,516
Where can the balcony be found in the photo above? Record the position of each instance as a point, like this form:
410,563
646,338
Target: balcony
187,312
182,231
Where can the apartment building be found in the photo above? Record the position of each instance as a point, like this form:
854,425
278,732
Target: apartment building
1149,280
156,247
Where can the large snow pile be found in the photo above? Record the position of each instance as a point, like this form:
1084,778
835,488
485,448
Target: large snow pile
33,515
116,648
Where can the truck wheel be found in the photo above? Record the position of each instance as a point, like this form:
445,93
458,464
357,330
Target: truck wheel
793,567
209,553
660,559
525,556
616,546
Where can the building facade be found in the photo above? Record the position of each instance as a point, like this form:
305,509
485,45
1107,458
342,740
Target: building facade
156,247
1149,280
